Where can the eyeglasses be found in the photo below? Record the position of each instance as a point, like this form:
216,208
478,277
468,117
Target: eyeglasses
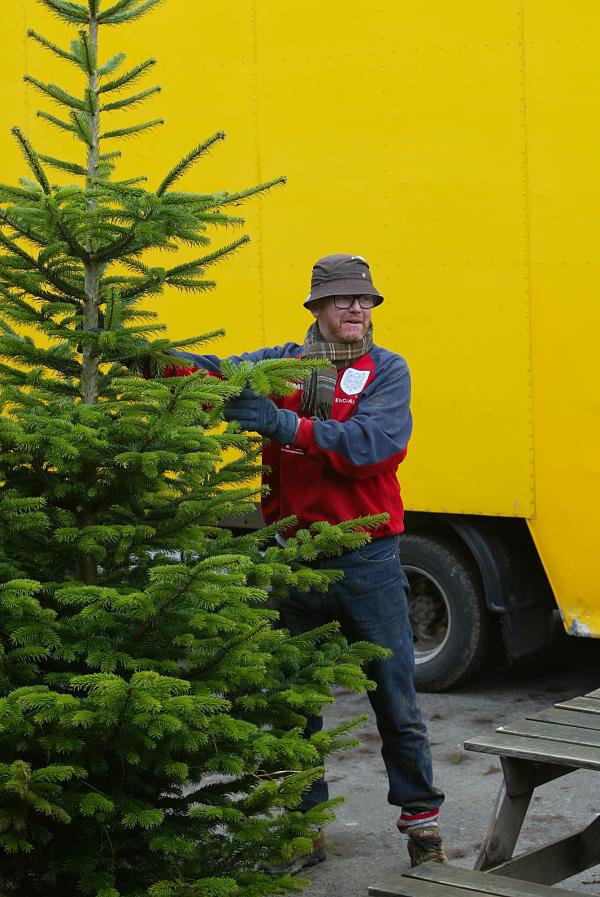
348,301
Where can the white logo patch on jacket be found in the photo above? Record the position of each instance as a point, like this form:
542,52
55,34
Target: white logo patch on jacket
353,381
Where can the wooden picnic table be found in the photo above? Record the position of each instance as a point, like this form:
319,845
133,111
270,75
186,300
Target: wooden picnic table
538,749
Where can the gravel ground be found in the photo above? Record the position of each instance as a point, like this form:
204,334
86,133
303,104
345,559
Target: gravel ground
364,846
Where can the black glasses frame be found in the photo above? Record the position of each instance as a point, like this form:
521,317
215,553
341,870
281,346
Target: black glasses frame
348,301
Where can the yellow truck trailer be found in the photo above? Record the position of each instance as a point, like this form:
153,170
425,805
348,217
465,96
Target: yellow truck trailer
455,146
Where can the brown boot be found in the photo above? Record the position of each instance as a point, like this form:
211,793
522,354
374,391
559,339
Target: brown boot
300,860
425,846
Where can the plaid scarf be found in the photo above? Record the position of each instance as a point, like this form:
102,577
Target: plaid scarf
319,389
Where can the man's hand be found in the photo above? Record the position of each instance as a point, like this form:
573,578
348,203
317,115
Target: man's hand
261,415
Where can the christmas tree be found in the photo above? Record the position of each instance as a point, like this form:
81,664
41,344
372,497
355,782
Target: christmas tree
151,714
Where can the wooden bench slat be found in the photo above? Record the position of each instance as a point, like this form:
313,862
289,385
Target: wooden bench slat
411,887
589,705
496,885
568,717
540,749
568,735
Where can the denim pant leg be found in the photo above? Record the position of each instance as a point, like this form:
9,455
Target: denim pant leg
300,612
372,606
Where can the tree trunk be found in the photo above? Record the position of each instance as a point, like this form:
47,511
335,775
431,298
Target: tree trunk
87,568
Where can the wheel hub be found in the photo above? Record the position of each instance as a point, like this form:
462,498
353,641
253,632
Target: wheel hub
429,614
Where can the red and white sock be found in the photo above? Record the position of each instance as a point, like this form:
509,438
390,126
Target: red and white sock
408,821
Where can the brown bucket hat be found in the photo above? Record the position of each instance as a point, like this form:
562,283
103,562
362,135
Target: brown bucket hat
341,275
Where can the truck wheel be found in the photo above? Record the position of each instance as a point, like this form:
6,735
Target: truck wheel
454,632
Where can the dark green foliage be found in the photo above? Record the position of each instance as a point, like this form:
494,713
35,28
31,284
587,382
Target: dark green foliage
151,715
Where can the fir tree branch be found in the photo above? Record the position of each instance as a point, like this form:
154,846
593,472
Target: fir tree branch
117,248
76,248
64,165
32,159
82,127
114,250
135,265
149,284
200,340
113,63
191,237
88,56
72,12
219,218
114,15
63,125
33,541
56,93
8,193
133,129
244,637
7,293
130,101
33,315
54,48
119,7
128,77
196,265
119,185
176,197
23,283
58,282
22,230
20,378
91,102
245,194
191,285
187,161
33,356
161,608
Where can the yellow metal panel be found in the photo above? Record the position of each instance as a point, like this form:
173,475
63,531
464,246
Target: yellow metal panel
401,131
563,85
13,109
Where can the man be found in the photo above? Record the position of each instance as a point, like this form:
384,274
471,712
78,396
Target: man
334,452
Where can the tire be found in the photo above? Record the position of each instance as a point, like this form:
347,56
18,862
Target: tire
454,632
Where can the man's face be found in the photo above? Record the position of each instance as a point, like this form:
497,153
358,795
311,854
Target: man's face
342,325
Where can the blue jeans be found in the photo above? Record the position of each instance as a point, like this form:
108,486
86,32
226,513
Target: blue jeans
370,605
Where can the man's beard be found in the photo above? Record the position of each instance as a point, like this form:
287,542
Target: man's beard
349,340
